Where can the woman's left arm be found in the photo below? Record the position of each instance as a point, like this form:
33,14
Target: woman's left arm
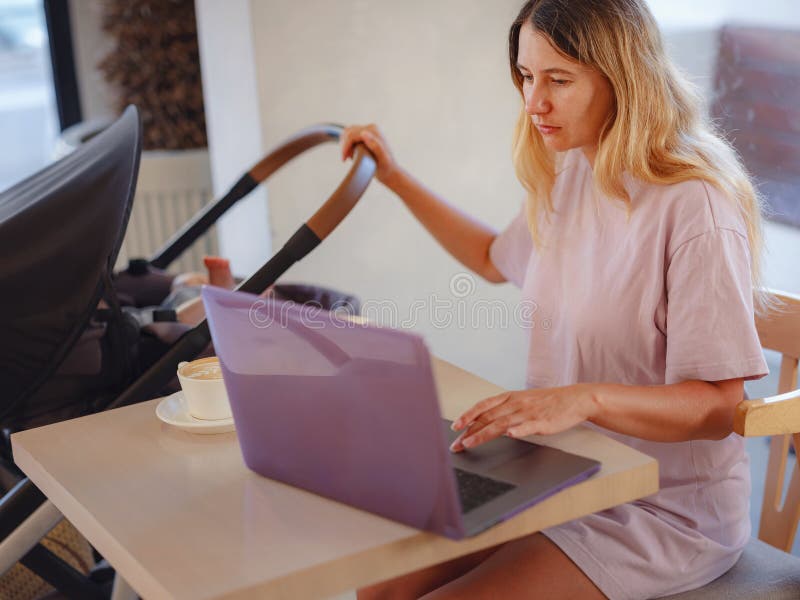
676,412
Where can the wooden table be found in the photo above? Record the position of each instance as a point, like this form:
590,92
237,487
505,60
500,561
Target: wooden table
180,516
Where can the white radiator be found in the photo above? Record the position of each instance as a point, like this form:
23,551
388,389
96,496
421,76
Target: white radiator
172,187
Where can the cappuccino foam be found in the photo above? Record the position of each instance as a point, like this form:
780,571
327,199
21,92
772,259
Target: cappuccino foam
209,370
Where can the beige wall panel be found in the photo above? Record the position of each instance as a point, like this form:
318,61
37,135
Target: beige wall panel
434,76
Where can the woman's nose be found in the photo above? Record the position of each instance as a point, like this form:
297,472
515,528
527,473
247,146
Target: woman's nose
536,101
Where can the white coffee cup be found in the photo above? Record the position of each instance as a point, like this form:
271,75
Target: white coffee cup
204,389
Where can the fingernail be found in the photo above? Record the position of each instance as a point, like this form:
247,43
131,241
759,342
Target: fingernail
455,426
468,442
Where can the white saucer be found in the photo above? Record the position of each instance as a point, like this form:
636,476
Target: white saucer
173,411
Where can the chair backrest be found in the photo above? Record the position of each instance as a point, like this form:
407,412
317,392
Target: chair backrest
780,331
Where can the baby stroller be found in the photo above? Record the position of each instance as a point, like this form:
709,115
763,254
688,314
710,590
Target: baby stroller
68,346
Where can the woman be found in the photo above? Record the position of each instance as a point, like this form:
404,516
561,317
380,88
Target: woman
639,241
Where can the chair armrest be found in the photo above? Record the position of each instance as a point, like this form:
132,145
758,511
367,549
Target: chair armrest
774,415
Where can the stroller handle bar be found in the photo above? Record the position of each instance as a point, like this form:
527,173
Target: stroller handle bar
303,241
325,220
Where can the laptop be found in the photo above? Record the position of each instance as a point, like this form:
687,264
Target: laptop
350,412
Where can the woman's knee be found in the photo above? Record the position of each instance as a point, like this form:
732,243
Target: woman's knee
418,583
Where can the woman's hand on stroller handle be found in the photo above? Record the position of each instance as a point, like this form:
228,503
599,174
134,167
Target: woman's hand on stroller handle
372,137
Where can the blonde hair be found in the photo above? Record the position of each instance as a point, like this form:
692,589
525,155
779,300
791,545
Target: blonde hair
657,131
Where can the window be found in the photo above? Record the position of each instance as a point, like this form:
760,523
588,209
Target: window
27,106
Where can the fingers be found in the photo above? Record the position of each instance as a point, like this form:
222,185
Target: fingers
347,141
369,135
486,432
486,413
373,143
350,137
504,414
524,429
518,414
473,413
457,445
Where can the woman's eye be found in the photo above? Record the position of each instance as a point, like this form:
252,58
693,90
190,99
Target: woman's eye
560,81
527,78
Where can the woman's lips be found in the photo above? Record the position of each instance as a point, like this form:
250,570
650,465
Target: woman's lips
547,129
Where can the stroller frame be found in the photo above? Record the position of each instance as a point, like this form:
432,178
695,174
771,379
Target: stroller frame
25,514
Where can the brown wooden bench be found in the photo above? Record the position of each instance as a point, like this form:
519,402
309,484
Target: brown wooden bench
757,104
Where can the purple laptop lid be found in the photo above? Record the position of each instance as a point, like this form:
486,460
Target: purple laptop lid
344,410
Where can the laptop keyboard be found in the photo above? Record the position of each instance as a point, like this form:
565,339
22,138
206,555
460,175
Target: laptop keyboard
475,490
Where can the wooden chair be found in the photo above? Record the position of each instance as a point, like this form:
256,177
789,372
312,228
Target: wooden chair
765,570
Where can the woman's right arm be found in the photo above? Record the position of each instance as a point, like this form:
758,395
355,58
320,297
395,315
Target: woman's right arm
465,238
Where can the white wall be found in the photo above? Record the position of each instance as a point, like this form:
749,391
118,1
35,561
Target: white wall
233,125
434,75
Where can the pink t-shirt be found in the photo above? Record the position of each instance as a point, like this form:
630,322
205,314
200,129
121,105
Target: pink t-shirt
662,297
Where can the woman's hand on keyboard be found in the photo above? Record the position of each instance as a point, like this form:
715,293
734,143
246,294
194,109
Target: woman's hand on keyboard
525,412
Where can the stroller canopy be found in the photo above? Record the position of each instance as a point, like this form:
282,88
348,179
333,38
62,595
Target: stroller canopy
60,232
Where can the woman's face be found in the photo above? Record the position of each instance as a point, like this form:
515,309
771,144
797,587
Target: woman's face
568,102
